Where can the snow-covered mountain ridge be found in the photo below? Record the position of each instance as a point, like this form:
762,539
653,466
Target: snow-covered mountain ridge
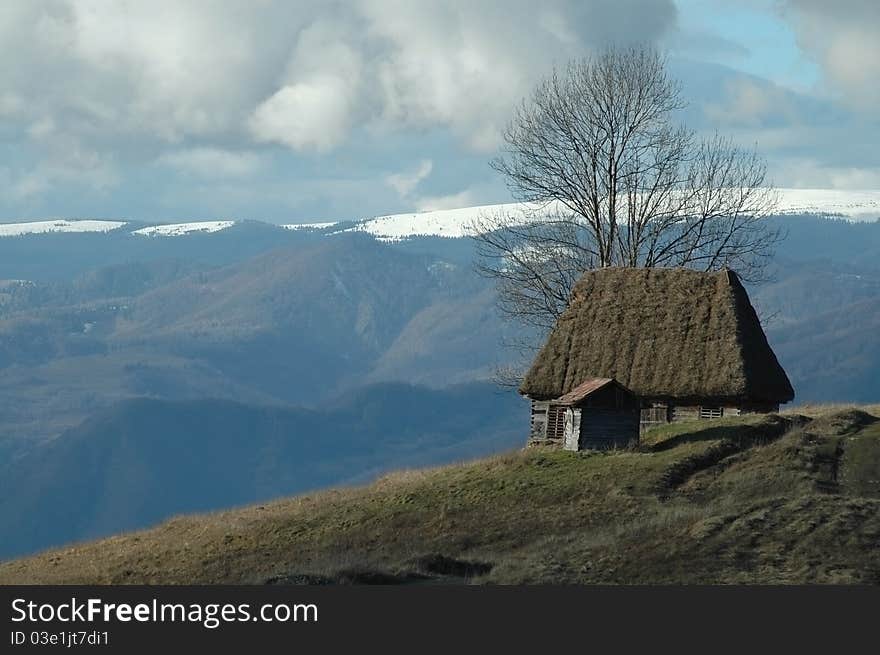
453,223
851,205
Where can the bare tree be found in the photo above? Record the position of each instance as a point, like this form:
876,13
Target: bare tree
607,178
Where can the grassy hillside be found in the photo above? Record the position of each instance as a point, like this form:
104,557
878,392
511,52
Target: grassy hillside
773,499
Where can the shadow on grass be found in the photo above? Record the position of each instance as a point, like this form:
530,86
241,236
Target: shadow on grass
428,569
769,429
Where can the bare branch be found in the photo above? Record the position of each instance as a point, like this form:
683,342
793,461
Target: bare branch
609,179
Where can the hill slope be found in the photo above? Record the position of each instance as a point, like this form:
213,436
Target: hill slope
771,499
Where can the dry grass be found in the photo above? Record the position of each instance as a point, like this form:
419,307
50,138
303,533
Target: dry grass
816,410
662,333
736,500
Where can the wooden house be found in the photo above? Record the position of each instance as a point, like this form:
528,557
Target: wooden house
687,343
599,413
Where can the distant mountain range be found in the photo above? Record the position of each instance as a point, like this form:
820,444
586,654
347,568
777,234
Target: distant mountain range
452,223
298,324
103,331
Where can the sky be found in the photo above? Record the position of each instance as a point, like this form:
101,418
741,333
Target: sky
289,111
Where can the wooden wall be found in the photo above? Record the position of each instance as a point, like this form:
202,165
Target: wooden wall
603,427
681,413
547,422
656,415
659,413
555,422
572,433
538,427
608,428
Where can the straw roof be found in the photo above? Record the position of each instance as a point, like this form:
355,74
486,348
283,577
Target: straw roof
663,333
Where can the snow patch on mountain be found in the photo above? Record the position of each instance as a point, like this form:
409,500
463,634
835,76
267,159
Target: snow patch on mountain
309,226
60,225
852,205
452,223
178,229
457,223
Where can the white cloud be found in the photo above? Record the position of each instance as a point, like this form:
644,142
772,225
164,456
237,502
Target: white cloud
100,88
212,162
80,166
315,107
842,38
464,66
405,183
41,129
809,139
61,158
172,70
748,101
11,104
809,173
305,115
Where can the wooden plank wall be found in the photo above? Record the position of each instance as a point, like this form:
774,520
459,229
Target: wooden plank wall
657,415
685,413
555,422
651,416
538,428
608,428
572,439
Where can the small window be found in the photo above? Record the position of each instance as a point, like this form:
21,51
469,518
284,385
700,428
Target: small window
711,412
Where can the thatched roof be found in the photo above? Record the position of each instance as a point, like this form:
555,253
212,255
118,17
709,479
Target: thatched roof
663,333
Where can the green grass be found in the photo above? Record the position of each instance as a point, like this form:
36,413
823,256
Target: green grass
760,499
860,473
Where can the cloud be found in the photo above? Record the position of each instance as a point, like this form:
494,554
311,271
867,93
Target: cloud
161,69
316,105
310,114
79,166
394,65
171,70
100,91
59,157
704,44
405,183
750,101
809,173
842,38
808,139
464,66
471,195
212,162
